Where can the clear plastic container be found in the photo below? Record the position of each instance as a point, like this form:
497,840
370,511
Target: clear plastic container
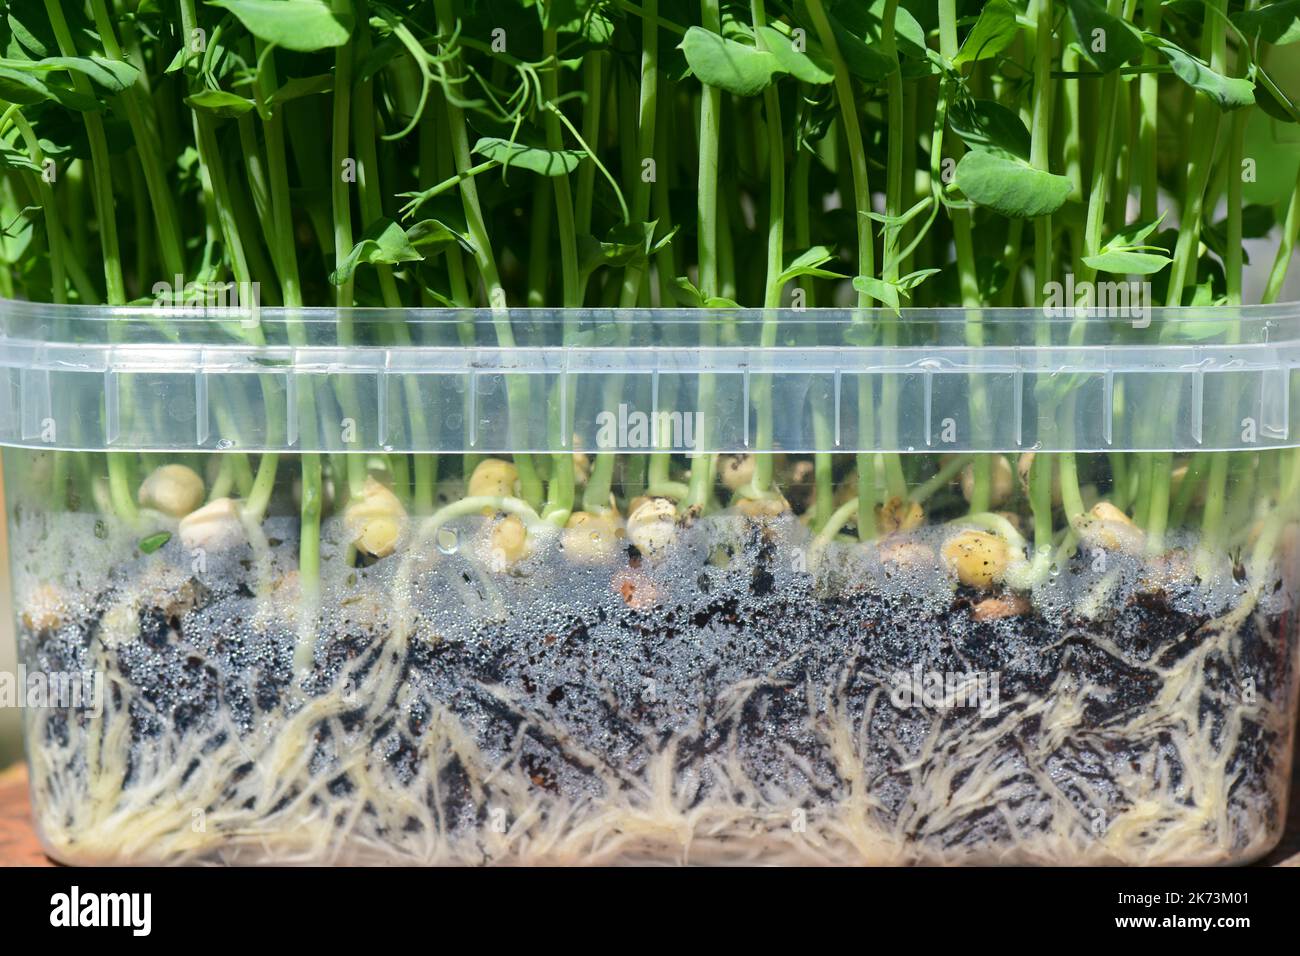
1027,600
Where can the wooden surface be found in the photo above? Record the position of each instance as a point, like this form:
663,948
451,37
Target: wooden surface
18,846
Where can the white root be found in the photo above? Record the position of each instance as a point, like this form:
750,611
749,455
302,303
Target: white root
262,800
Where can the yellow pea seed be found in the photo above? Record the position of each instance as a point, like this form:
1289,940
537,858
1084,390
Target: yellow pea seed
591,538
736,471
214,527
763,507
46,609
979,558
493,478
1001,485
652,527
375,521
172,489
508,541
899,514
1109,528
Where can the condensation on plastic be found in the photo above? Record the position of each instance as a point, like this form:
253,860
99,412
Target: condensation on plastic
438,380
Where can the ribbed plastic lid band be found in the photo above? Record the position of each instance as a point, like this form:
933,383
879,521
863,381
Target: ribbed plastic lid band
89,379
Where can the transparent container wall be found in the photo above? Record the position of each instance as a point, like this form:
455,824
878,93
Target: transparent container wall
841,661
141,379
611,586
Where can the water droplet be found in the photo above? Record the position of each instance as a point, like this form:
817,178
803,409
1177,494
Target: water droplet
225,443
447,540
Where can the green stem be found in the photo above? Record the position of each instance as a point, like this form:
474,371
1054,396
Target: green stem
1216,485
1040,475
49,206
138,109
848,113
285,256
363,121
560,496
701,483
517,388
596,495
1285,250
1183,269
968,278
764,461
102,193
341,206
823,464
891,258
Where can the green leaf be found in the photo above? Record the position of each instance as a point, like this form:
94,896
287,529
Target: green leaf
993,32
1128,262
301,86
432,235
112,75
26,89
728,65
1108,42
1275,23
861,57
687,294
809,264
1009,186
26,37
861,334
219,103
622,245
914,279
153,542
1227,92
13,158
1199,331
1125,254
1271,98
986,123
301,25
384,241
810,66
178,60
381,54
878,289
901,220
544,162
892,293
22,88
909,35
1136,233
1256,223
443,226
864,24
